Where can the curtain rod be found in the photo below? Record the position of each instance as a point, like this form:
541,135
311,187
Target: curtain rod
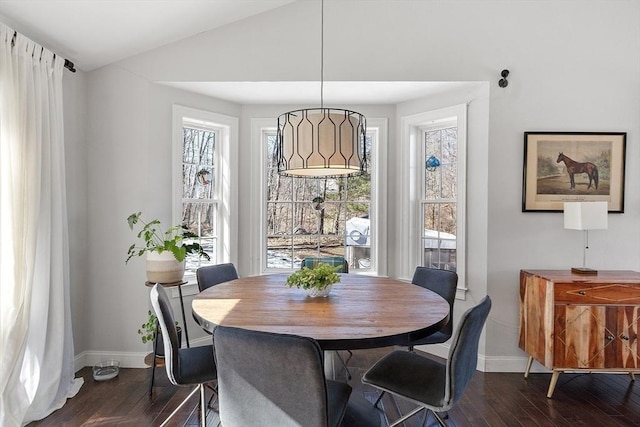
67,64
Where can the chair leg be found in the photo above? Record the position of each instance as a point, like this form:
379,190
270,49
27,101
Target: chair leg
350,356
409,415
203,407
423,423
181,405
378,400
439,419
213,394
344,363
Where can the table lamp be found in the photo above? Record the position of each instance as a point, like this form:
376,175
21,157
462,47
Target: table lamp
585,216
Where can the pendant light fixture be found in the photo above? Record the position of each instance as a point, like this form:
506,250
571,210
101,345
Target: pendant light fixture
321,142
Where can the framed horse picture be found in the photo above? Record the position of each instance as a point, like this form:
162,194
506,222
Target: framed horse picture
573,167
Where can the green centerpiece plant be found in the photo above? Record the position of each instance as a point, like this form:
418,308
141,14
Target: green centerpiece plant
317,281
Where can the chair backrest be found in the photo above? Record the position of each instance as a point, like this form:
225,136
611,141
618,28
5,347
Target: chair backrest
442,282
269,379
334,261
211,275
463,353
166,320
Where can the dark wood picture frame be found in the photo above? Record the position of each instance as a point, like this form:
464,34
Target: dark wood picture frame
573,167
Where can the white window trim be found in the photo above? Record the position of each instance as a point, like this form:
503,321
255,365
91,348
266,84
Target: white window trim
227,177
378,190
412,128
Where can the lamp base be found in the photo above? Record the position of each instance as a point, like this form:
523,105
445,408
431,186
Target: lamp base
584,270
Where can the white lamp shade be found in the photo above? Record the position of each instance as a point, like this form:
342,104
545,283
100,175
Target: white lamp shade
585,215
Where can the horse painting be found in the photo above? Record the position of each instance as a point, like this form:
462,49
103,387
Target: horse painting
574,167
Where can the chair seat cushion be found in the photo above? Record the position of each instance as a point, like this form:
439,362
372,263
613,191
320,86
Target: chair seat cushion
196,365
337,398
410,376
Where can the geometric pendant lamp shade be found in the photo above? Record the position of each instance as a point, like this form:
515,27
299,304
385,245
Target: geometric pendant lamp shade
321,142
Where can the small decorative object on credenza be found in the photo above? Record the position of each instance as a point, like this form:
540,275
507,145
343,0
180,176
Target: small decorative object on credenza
585,216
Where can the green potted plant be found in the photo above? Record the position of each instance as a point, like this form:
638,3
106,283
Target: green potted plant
147,333
317,281
165,250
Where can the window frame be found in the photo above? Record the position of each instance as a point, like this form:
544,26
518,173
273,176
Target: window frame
226,156
413,129
377,128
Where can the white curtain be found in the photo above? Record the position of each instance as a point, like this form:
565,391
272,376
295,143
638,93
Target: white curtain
36,343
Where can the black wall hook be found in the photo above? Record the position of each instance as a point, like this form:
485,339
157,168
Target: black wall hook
503,81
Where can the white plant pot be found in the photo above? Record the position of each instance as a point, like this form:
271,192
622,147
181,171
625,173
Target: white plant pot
164,268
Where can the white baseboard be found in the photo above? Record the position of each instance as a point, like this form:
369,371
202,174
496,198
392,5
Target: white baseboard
127,359
489,363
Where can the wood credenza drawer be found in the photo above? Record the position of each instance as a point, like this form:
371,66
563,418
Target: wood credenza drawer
581,293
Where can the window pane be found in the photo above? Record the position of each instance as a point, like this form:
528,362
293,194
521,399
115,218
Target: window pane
449,144
278,187
449,174
304,246
440,184
433,181
440,217
331,246
279,219
305,219
316,216
198,183
280,252
332,219
200,219
304,189
439,238
199,146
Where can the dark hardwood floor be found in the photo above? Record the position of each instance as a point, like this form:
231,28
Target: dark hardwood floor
492,399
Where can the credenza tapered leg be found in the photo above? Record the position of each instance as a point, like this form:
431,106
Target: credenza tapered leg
528,368
552,384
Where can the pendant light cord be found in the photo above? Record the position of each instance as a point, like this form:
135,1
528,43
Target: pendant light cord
322,54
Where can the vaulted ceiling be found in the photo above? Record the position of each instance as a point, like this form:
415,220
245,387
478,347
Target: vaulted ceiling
95,33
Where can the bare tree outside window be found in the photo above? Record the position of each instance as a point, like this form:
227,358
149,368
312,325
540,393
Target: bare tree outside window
199,189
314,216
439,206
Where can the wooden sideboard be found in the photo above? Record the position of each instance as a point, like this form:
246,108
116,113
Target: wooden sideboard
574,322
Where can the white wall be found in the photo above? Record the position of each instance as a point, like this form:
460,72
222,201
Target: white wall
575,66
77,170
129,156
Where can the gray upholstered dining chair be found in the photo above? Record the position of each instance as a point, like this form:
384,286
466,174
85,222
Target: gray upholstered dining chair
194,366
433,385
444,283
211,275
334,261
267,379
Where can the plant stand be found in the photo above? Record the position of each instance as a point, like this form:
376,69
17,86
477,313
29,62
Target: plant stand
153,359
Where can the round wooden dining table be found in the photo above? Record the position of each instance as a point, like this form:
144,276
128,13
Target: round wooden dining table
360,312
